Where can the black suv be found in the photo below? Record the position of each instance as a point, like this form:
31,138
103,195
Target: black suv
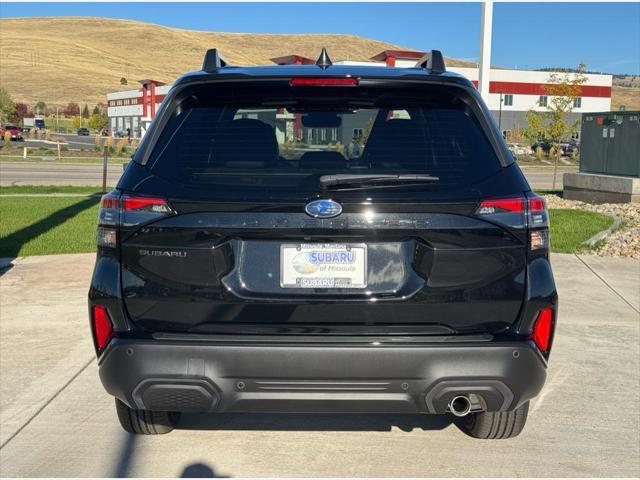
323,238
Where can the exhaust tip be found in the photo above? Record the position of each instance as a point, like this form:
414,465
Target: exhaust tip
460,405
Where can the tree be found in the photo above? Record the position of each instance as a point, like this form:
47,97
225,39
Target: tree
6,105
71,110
553,125
123,81
100,109
20,110
85,111
40,108
98,121
96,110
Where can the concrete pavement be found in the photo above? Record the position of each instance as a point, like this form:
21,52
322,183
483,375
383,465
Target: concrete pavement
43,173
57,421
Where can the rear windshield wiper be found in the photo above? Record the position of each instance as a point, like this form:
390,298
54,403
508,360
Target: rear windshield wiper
373,180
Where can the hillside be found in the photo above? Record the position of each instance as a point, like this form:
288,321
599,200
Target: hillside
81,58
627,96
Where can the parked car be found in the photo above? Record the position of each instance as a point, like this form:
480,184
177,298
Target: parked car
83,131
518,149
546,146
568,148
412,277
16,132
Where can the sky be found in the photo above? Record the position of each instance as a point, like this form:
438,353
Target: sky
606,36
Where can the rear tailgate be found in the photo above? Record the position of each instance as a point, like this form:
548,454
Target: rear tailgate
437,272
234,250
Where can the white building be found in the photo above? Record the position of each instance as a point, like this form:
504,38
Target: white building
133,110
511,92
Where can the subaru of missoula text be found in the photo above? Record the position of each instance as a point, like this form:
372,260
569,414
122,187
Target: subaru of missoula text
323,238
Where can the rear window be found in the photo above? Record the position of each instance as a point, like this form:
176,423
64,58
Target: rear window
274,141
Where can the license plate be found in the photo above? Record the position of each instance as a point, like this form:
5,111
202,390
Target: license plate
323,265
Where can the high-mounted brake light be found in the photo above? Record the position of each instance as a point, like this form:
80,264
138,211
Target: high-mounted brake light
322,82
542,330
102,328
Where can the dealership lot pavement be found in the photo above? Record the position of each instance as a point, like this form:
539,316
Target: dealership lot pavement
56,420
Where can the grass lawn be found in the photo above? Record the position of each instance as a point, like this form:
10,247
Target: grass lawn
571,228
48,225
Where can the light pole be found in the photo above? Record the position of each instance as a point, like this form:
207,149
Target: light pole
484,70
500,115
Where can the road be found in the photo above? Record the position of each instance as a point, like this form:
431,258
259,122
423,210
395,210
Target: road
42,173
56,420
70,140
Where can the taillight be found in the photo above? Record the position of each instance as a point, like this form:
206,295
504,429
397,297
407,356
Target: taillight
507,211
520,212
543,329
322,82
538,216
102,328
128,210
490,207
146,204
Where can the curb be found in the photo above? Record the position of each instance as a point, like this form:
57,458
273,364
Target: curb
605,233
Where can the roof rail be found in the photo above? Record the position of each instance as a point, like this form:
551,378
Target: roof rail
213,60
433,61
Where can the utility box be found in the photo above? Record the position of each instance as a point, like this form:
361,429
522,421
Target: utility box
609,159
610,143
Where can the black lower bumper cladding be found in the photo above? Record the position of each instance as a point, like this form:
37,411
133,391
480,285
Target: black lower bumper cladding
192,376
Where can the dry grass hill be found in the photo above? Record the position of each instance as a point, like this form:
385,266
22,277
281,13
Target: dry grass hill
63,59
81,58
627,96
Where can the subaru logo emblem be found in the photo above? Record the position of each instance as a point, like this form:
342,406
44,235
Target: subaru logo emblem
323,209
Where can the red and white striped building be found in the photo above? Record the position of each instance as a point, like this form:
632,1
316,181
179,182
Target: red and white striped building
511,92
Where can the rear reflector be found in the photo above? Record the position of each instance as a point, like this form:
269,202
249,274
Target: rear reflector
320,81
102,328
149,204
541,335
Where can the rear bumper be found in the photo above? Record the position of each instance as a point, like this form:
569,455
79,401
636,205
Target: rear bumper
217,377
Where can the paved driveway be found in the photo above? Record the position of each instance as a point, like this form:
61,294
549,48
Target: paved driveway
56,420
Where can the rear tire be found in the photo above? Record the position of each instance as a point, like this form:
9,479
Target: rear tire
495,425
145,422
